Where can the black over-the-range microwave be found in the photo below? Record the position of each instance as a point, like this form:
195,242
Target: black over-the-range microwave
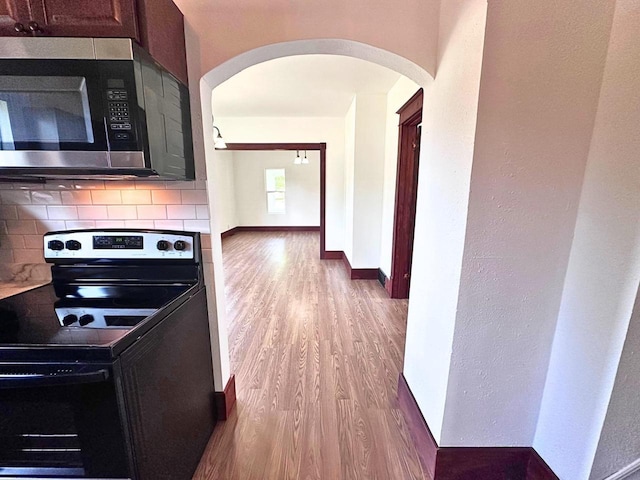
90,108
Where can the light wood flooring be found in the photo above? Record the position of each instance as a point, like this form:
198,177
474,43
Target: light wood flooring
316,358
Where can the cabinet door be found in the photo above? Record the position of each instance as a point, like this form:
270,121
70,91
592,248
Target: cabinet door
86,18
12,12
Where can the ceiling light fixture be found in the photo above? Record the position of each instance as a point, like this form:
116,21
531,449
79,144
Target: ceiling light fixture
298,159
305,160
218,141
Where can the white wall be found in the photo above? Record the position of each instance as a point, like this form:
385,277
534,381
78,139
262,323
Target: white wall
449,122
368,179
402,91
302,194
531,149
349,172
306,130
619,443
225,191
604,268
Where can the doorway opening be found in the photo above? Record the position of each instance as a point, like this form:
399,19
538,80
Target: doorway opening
406,196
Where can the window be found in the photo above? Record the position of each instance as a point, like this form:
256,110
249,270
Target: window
275,186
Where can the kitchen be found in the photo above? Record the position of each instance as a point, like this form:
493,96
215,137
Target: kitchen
112,356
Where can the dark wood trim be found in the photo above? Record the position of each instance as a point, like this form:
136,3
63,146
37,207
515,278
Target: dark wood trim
228,233
275,228
226,400
359,273
467,463
275,146
538,468
421,435
411,106
406,196
322,148
333,254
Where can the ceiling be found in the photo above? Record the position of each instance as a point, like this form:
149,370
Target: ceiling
305,85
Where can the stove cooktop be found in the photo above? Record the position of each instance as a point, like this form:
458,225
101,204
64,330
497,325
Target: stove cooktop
36,318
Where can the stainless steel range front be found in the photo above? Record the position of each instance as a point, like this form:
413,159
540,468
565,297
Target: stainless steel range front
106,371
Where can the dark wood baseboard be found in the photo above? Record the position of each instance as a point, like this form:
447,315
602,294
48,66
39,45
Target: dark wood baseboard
333,255
382,277
228,233
468,463
226,400
275,228
359,273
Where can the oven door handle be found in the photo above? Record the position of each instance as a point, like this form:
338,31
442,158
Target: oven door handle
31,381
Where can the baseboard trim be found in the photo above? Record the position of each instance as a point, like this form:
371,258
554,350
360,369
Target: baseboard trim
228,233
333,255
276,228
467,463
359,273
226,400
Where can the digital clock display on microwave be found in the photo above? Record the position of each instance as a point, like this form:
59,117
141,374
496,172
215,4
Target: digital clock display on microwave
116,242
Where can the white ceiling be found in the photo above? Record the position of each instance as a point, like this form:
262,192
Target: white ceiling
306,85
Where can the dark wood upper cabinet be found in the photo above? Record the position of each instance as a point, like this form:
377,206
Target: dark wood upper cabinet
89,18
158,25
12,12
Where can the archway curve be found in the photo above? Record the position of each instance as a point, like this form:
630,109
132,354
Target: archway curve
327,46
221,361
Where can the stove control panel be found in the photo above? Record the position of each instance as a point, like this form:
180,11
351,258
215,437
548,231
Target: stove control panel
119,245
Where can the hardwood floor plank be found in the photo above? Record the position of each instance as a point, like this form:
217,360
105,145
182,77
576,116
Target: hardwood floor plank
316,358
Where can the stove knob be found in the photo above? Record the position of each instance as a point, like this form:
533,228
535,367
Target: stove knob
69,319
85,320
162,245
55,245
180,245
73,245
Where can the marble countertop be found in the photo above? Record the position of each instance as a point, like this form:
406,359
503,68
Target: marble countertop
8,289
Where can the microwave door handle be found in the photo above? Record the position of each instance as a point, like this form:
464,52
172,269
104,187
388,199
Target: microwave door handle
30,381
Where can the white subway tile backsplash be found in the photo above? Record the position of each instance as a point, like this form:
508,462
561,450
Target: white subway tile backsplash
166,197
106,197
32,241
79,224
119,185
139,224
152,212
93,212
46,197
62,213
197,226
202,212
45,225
15,197
76,197
29,186
169,224
136,197
32,212
21,227
149,185
88,185
8,212
109,223
12,241
122,212
181,212
194,197
178,185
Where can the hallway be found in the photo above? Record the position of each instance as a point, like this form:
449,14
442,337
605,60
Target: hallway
316,358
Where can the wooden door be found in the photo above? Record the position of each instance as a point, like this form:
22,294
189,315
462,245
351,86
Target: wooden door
12,12
406,196
86,18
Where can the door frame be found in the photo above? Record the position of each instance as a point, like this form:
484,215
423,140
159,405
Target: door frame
406,196
320,147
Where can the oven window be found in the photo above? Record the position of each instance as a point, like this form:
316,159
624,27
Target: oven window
44,111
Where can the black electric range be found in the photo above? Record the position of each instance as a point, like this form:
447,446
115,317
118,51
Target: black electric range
106,371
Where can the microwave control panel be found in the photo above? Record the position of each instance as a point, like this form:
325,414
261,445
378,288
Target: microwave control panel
120,125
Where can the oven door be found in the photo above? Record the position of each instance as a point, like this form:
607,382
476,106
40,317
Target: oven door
60,421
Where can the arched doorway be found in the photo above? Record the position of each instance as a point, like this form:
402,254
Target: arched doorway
225,71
